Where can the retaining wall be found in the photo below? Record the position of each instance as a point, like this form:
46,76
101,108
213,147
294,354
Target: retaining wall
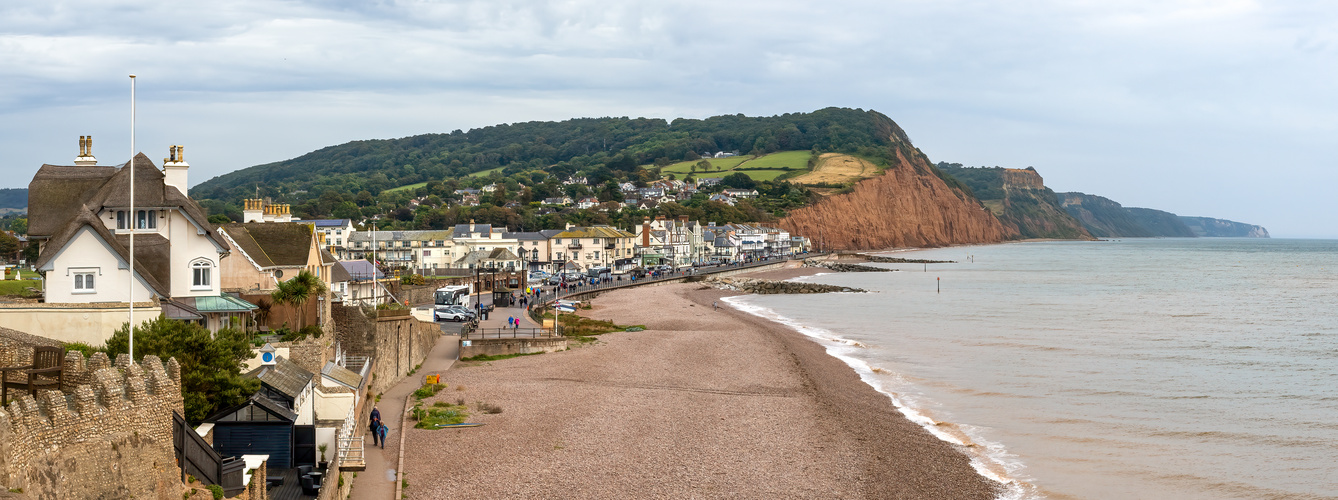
498,347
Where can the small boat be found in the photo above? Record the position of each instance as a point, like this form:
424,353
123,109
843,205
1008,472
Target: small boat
466,424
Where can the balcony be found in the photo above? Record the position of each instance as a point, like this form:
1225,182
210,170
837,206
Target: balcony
574,246
610,246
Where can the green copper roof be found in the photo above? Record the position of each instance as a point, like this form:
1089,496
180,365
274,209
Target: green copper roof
222,304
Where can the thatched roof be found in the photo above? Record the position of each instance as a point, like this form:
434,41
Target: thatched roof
272,244
152,252
57,193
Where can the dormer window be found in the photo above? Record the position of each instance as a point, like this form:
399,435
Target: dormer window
145,219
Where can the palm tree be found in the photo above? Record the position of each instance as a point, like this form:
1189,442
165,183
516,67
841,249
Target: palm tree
298,292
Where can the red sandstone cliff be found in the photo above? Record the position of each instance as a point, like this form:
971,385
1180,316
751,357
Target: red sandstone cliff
907,206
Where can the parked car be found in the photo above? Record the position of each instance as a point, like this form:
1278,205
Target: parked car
452,313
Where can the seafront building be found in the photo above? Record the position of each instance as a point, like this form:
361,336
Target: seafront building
80,215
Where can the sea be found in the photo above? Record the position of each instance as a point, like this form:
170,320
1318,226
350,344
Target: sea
1136,368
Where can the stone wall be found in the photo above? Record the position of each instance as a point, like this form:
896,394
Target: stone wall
110,436
399,344
256,489
353,330
16,348
498,347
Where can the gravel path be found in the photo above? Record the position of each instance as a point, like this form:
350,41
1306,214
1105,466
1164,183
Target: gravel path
704,404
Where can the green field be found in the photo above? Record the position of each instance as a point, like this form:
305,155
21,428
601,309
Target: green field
768,167
484,173
783,160
19,288
409,187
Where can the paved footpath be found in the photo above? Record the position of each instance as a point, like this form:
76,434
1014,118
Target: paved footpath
378,481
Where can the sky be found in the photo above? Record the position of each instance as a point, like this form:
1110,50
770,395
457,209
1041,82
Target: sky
1221,108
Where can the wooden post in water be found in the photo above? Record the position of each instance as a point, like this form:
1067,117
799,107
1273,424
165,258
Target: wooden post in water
938,285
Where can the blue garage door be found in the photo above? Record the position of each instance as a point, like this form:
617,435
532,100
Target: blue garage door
273,440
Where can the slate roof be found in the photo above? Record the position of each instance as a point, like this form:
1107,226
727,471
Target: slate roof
329,222
283,376
360,269
176,310
478,256
342,376
463,230
595,232
272,244
416,235
270,406
528,235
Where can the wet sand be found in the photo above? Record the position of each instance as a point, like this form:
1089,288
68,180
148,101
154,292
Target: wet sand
704,403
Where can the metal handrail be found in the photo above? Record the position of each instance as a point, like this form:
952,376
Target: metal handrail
351,452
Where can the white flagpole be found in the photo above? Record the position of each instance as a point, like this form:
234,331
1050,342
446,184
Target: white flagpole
133,219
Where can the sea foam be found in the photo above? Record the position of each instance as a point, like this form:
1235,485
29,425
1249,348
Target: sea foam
987,457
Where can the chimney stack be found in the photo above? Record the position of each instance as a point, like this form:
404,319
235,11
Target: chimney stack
253,210
85,158
175,168
645,232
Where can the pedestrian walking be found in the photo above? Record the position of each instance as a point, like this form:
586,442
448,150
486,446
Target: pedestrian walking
375,424
381,432
714,306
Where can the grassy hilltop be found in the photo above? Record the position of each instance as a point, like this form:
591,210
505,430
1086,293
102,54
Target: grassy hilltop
782,156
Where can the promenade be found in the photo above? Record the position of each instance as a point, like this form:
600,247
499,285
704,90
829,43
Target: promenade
379,480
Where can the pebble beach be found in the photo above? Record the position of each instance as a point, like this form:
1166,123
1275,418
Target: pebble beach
704,403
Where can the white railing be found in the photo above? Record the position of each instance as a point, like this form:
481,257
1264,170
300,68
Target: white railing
351,453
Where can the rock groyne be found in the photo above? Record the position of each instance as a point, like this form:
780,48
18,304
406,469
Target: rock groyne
846,268
765,287
899,260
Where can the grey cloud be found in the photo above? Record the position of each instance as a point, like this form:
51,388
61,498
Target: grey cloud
1086,91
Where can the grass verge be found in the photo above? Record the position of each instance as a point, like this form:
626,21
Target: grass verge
440,413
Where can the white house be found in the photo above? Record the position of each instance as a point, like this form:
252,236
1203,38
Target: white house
722,198
741,193
81,217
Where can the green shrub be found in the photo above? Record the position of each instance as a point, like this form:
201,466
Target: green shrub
428,390
217,491
88,350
